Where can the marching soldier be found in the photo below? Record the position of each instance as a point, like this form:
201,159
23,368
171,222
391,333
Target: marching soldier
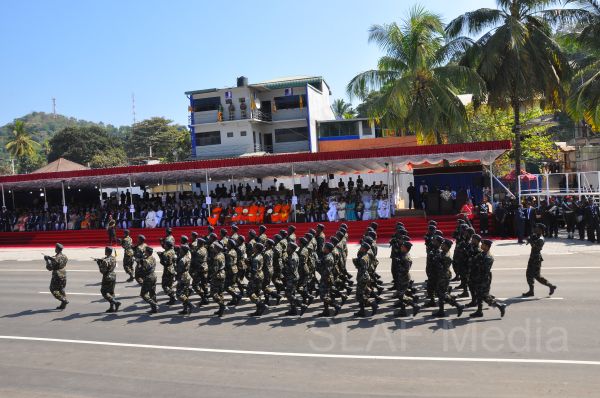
291,234
217,276
278,256
231,272
168,238
147,265
326,269
321,239
184,278
107,267
58,264
290,272
442,275
262,237
534,265
139,251
235,235
362,282
403,280
304,274
199,268
473,250
433,250
482,280
168,259
268,272
255,280
242,259
224,238
127,245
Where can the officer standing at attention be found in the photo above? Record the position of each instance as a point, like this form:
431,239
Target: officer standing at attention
57,264
107,267
534,266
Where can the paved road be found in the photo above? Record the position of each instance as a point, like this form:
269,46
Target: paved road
543,346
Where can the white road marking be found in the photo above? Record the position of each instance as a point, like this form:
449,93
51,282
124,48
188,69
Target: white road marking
529,298
309,355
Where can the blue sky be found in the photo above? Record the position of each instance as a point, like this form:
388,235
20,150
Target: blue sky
91,56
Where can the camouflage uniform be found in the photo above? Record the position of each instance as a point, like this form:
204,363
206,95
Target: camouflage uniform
217,278
57,264
168,259
363,281
199,269
481,275
107,267
290,273
442,264
184,279
403,280
147,265
138,256
231,273
325,269
127,245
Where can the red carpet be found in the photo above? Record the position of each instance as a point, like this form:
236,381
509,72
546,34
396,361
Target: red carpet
416,226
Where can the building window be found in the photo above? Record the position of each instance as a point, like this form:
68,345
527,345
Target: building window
290,102
366,126
338,129
242,133
206,104
291,135
230,135
208,138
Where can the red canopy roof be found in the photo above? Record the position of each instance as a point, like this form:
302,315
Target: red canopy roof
525,176
362,160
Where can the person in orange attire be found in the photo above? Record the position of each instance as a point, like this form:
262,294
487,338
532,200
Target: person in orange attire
245,212
216,213
252,213
276,215
237,217
260,215
285,212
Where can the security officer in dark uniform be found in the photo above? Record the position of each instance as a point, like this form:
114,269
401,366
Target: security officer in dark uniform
403,280
534,265
442,272
481,275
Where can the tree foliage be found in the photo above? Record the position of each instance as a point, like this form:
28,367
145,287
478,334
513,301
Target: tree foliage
166,139
111,157
79,144
20,144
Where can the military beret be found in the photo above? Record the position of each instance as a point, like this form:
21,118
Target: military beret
202,241
212,236
149,250
283,233
334,240
320,226
460,221
231,242
431,228
438,238
108,249
167,243
241,238
303,240
194,234
487,242
262,228
339,234
217,245
374,225
252,233
312,231
211,228
184,247
329,246
408,245
448,242
223,231
168,230
291,228
235,228
141,237
477,237
365,246
270,242
432,222
372,234
470,230
59,246
126,232
399,223
259,246
292,246
344,225
438,233
308,235
277,237
184,239
368,239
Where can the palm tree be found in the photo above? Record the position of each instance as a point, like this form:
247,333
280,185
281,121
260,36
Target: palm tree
584,101
21,145
418,89
516,56
341,109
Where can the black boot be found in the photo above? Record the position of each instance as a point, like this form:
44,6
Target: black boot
416,309
117,305
478,313
262,308
292,311
361,312
459,309
528,293
502,308
153,309
337,308
440,312
552,289
374,307
430,303
183,310
63,305
171,300
221,310
401,312
303,308
111,308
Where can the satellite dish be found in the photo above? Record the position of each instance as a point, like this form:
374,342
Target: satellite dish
257,104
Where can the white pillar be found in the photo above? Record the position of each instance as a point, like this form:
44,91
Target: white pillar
293,192
548,187
130,191
100,194
62,184
3,201
519,187
45,199
492,184
207,192
579,184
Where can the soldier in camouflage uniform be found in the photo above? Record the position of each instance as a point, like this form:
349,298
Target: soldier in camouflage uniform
534,265
325,268
262,237
291,234
139,252
107,266
147,265
184,278
217,276
255,280
224,238
199,268
442,272
235,235
481,275
242,261
313,259
231,272
268,271
58,264
472,251
363,280
277,276
304,274
403,279
290,272
339,288
127,245
168,238
168,259
321,239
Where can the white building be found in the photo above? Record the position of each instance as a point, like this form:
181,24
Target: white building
275,116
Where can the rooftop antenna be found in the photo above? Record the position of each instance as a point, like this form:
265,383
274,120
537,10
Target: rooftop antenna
54,107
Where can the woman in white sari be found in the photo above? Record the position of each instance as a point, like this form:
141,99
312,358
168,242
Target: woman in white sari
151,219
383,209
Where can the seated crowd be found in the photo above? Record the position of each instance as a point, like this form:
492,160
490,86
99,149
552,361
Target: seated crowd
234,205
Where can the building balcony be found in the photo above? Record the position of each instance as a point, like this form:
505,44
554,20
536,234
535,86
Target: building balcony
348,143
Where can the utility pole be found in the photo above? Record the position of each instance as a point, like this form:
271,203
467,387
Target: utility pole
54,107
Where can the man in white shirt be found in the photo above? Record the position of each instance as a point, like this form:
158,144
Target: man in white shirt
151,219
159,215
332,212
